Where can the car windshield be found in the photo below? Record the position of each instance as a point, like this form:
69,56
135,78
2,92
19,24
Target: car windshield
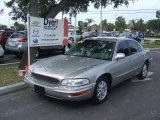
18,35
106,34
86,33
93,49
127,34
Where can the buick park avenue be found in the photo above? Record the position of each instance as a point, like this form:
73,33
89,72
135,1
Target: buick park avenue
89,69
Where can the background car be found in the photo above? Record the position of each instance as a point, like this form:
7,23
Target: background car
71,35
89,69
18,43
1,31
106,34
5,35
89,34
1,52
132,35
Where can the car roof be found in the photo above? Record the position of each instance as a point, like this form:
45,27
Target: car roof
115,39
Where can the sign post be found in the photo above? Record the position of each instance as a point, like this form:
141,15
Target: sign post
46,32
28,33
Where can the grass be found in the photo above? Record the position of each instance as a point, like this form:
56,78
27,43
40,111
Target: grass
151,46
9,75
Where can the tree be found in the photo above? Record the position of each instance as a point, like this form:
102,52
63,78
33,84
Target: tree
50,8
120,23
140,25
152,25
19,26
110,26
104,25
131,24
3,27
89,21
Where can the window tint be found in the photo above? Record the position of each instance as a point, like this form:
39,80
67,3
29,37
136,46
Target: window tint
139,47
133,46
93,49
94,34
123,48
18,35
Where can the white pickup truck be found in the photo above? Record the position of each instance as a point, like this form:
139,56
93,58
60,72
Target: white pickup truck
71,36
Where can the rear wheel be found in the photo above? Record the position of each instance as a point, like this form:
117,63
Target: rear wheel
101,90
144,72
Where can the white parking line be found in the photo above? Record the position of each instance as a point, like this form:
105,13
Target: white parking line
146,79
9,63
149,74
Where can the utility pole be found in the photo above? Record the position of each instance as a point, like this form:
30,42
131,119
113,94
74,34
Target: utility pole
101,19
158,16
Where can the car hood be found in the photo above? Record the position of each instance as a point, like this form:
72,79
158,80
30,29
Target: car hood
64,66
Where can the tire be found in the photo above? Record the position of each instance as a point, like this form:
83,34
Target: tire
101,90
37,54
144,72
72,39
19,55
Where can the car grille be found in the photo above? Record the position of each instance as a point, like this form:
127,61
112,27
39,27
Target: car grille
45,79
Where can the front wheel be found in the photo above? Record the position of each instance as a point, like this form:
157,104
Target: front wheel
101,90
144,72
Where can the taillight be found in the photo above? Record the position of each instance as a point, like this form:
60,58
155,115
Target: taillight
22,40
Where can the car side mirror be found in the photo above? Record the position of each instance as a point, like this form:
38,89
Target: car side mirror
119,56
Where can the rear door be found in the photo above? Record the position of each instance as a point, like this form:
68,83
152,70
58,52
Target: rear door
137,57
122,68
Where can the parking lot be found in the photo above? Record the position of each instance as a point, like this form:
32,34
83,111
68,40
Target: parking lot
130,100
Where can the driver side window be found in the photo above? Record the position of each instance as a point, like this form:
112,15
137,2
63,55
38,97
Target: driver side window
123,48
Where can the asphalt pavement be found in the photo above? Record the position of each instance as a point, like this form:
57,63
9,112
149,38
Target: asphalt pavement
12,59
129,100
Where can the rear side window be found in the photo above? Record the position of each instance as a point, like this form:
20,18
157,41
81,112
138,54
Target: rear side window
133,46
18,35
123,48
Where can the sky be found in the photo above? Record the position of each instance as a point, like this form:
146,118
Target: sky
145,9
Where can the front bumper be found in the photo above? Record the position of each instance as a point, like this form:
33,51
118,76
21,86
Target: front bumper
62,92
17,49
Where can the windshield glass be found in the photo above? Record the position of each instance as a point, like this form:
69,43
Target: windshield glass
86,33
18,35
93,49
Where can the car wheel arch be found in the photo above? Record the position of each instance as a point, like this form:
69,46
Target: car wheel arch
109,78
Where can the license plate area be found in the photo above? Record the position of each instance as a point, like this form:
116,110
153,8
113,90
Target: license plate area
11,43
39,89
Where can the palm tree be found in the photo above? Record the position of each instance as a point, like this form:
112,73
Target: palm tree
89,21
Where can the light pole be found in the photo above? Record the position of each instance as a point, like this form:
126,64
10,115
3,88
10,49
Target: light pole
101,18
115,22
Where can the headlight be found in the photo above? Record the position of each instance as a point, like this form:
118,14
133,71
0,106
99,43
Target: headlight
75,82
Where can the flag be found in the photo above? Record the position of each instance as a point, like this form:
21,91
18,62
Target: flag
1,11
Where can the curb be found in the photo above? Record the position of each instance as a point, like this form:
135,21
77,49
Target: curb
153,48
12,88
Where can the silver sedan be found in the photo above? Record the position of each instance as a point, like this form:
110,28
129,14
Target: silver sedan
1,52
89,69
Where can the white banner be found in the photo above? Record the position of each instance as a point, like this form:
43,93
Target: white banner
45,31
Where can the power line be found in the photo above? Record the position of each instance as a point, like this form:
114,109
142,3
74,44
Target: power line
120,13
128,10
